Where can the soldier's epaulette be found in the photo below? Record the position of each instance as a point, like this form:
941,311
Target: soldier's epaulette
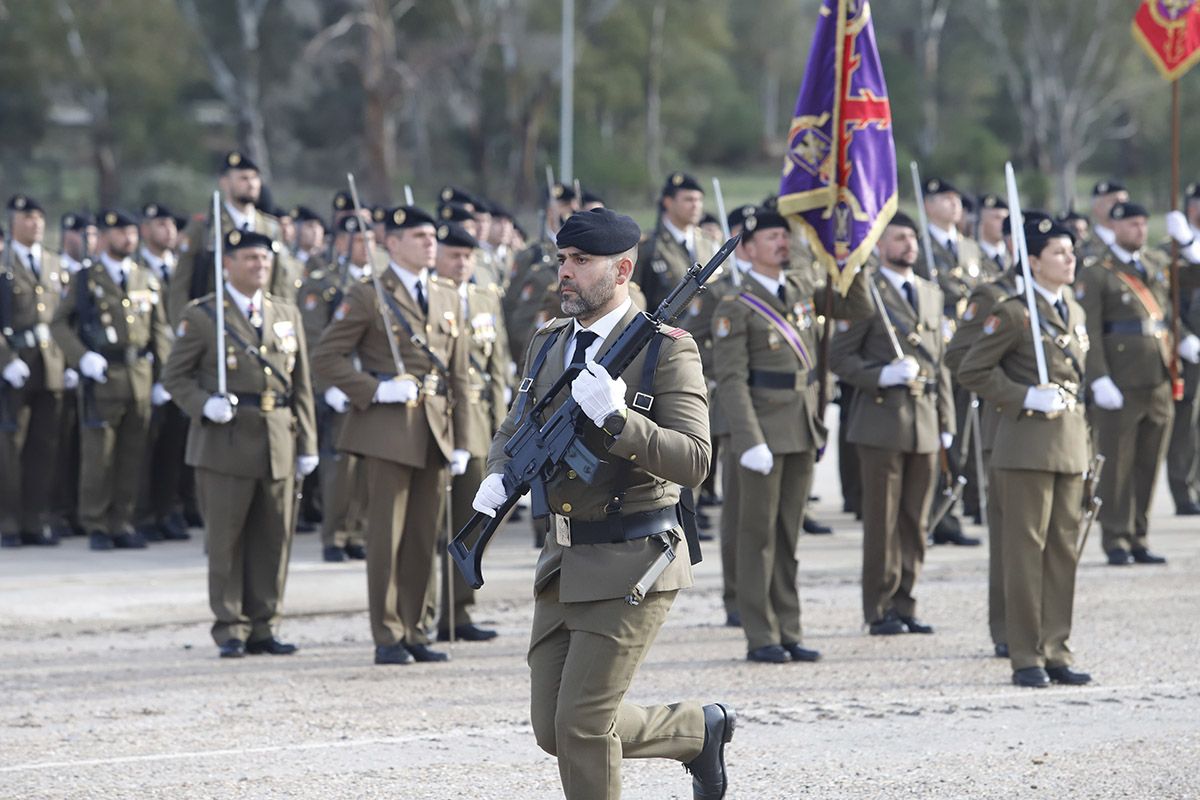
438,280
552,325
674,333
199,301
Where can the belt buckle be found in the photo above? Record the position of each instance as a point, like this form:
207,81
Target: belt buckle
562,529
267,401
913,338
429,384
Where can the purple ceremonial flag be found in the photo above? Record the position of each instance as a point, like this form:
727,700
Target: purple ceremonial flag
839,176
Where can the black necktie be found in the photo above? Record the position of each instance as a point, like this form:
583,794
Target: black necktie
33,267
1137,264
421,301
583,340
953,248
1000,261
780,294
1061,307
910,294
124,281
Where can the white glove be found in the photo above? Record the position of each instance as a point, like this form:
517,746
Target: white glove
491,495
507,395
70,379
94,366
336,399
1189,348
1178,228
598,394
16,372
218,409
159,395
758,459
1046,399
458,461
1107,395
306,464
947,439
396,391
899,372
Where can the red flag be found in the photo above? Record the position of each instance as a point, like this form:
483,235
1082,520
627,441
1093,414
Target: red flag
1169,32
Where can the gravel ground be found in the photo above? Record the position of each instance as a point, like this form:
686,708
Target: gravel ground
111,687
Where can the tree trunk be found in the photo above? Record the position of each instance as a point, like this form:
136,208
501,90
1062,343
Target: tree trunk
933,22
252,133
658,21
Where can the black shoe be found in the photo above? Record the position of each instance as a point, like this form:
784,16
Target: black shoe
128,540
304,526
1068,676
356,551
705,537
149,532
733,620
702,521
1188,509
392,654
193,519
1031,677
812,526
709,780
270,647
889,625
174,529
99,540
1143,556
799,653
1001,650
333,554
10,540
709,499
771,654
46,537
954,537
234,648
423,654
61,530
1119,557
915,625
468,633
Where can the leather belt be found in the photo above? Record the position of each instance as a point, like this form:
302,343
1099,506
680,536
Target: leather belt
431,384
267,401
127,355
1136,327
624,528
796,381
931,387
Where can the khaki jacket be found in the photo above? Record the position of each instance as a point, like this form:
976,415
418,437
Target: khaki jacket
661,450
354,355
257,443
488,366
662,262
1001,366
319,297
894,418
34,303
957,276
535,270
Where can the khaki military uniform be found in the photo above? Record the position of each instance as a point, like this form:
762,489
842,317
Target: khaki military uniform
1183,448
662,262
768,393
130,330
246,468
536,269
1038,463
897,431
404,447
1129,326
30,417
587,642
287,277
958,271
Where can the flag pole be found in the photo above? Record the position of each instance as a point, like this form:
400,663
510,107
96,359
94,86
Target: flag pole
1176,380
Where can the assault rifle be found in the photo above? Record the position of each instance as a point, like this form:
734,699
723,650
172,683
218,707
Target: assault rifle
538,452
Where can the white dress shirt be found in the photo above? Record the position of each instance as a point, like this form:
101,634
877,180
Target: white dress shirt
601,327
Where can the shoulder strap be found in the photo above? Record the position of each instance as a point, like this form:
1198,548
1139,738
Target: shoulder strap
780,325
1062,342
248,348
643,401
527,381
414,337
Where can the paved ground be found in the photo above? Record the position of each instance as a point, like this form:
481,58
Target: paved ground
109,687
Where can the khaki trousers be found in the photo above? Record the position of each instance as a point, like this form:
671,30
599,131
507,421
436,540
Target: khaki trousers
160,492
897,493
462,492
111,464
248,523
343,492
1183,451
1134,440
402,518
729,522
770,513
582,658
1041,527
28,458
997,625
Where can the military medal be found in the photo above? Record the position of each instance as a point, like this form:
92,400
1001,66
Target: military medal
256,319
231,362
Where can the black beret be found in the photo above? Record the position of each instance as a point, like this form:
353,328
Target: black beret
501,212
1039,232
23,202
235,159
939,186
77,221
601,232
968,203
678,181
1126,210
709,219
114,218
562,192
240,240
343,201
761,219
738,215
454,212
483,205
590,197
351,224
1029,216
159,211
1072,216
453,194
451,234
771,201
305,214
1107,187
379,214
990,200
1192,191
403,217
904,221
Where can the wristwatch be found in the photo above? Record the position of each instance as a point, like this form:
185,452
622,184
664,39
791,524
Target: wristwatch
615,423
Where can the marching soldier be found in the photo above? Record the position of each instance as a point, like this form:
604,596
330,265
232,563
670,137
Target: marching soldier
247,447
1041,453
764,357
1183,452
112,325
903,414
587,641
408,420
1126,297
671,249
483,325
32,370
957,258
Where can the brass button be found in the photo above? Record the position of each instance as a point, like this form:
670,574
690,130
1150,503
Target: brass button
266,370
566,508
262,348
633,457
878,400
130,319
38,290
571,475
41,306
125,302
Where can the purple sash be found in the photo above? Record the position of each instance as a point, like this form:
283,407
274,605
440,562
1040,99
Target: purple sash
790,334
